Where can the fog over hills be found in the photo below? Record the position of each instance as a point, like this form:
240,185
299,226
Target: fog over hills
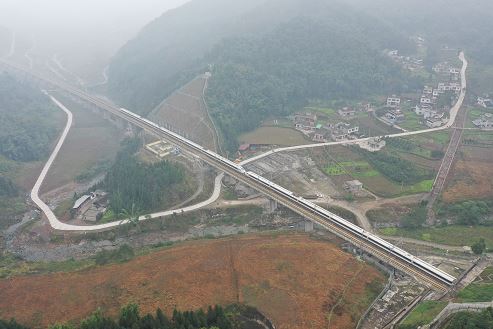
172,48
81,32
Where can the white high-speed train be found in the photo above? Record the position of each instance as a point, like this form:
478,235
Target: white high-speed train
341,222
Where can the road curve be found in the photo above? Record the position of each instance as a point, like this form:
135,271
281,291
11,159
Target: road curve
12,46
60,226
453,114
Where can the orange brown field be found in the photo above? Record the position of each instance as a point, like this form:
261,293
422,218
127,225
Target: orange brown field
471,176
293,279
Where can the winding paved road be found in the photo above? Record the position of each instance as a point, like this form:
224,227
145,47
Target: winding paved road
453,114
12,46
58,225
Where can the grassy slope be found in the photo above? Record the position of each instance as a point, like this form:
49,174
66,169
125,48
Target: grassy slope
91,140
276,273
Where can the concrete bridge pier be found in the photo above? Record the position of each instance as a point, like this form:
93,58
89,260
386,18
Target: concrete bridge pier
273,205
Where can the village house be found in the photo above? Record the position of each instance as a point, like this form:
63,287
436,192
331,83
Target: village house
426,112
353,186
347,112
485,102
485,121
321,135
342,131
376,143
394,52
80,202
393,101
305,121
427,90
454,74
426,100
434,122
453,86
366,107
395,116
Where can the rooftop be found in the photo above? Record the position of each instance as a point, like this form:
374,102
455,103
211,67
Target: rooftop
80,201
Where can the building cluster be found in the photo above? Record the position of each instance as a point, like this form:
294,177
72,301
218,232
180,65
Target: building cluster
90,207
428,108
408,62
447,69
485,102
394,115
485,121
319,131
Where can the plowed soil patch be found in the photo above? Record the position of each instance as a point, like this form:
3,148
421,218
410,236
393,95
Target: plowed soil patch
471,177
295,280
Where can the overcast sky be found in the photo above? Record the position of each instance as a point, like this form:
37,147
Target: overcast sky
79,31
48,14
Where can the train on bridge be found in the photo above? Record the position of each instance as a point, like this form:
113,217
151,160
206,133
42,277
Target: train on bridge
430,270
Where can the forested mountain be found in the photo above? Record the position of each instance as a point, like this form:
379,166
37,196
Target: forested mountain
157,61
303,59
27,128
26,120
178,45
456,23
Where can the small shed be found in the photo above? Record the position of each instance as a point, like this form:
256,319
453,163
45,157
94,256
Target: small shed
80,201
353,186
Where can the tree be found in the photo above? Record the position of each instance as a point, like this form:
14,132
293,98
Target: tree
479,246
131,217
98,321
129,316
12,324
62,326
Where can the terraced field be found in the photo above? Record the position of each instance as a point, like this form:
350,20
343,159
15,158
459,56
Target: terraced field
185,112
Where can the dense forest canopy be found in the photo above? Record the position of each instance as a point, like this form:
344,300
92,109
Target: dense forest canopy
130,318
141,186
27,127
165,53
173,48
27,124
278,73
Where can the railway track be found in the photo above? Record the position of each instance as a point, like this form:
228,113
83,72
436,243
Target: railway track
372,248
446,165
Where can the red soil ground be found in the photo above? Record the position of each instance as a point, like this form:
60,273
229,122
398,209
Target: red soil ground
293,279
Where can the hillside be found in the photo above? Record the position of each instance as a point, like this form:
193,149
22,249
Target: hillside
304,59
175,47
156,62
28,125
275,274
455,23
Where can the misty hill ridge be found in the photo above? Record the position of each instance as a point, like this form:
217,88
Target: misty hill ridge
182,42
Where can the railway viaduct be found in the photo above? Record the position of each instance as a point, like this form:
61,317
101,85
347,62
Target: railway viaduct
115,114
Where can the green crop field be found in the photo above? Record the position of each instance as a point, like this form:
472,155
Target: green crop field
412,122
453,235
274,136
357,169
424,313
